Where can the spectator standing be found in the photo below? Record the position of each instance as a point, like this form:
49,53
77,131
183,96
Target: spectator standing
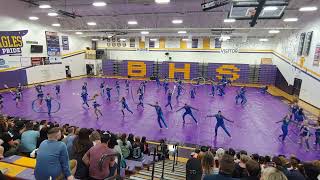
29,139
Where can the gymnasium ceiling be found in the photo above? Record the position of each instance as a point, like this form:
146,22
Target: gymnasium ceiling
155,18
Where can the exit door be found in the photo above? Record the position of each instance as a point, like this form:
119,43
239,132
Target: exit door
297,87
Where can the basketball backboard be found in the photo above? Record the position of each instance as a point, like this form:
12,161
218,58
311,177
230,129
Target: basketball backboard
246,9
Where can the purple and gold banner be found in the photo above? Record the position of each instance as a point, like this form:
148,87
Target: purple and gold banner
11,42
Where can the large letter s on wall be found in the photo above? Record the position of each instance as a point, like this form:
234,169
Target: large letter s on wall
228,70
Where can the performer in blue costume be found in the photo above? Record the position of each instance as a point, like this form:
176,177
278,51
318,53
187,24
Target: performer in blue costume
212,88
241,94
48,101
159,114
84,96
220,123
108,91
124,106
118,88
165,85
102,88
169,99
58,89
193,93
264,90
299,116
127,84
19,88
284,127
40,94
16,96
96,106
220,90
158,82
294,108
140,100
179,89
305,134
188,111
84,87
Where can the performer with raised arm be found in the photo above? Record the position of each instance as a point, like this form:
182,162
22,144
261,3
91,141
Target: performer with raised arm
188,111
220,123
159,114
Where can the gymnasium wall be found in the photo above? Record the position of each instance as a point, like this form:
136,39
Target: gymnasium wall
240,73
38,74
302,67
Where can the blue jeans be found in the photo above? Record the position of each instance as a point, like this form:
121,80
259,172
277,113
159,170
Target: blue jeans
223,127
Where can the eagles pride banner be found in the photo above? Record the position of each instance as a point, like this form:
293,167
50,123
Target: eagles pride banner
11,42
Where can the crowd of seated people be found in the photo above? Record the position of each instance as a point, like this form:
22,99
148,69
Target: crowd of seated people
68,151
64,151
219,164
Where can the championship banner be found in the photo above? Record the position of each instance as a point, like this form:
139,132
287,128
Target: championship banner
53,44
316,60
65,42
11,42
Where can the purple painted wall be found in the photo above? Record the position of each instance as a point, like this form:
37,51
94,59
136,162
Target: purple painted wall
12,78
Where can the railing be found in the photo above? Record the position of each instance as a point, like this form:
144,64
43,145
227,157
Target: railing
106,156
175,156
155,151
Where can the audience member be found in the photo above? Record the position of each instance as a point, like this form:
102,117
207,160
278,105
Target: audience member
81,144
226,168
272,173
29,139
53,159
99,169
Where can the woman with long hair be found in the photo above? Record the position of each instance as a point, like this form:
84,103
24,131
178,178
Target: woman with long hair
81,145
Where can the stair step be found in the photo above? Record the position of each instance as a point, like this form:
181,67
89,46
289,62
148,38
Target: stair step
169,172
182,171
158,175
170,166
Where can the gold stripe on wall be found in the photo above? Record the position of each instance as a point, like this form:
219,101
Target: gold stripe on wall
183,44
142,44
206,43
162,43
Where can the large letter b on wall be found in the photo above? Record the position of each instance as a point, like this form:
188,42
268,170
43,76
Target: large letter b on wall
173,70
137,69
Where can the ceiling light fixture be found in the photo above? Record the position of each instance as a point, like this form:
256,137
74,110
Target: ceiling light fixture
109,36
92,23
144,32
99,4
56,25
263,40
132,22
274,31
33,18
153,39
290,19
122,39
185,39
177,21
52,14
95,39
311,8
44,6
229,20
270,8
162,1
79,33
182,32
